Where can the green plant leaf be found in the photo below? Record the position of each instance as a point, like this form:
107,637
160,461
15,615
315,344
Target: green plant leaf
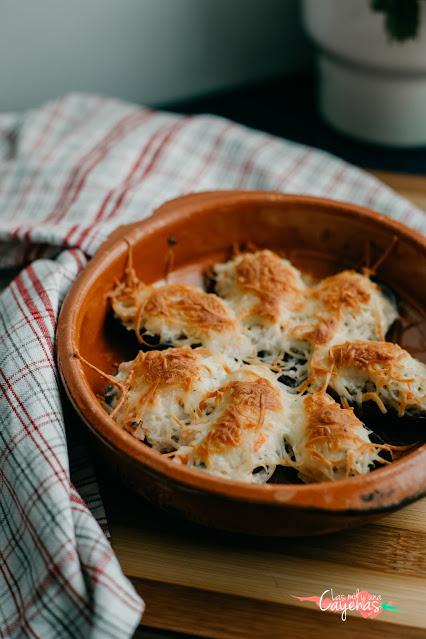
401,17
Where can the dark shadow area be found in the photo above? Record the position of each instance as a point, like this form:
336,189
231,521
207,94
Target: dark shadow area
287,107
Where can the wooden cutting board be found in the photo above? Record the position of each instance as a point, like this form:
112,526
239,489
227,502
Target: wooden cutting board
217,585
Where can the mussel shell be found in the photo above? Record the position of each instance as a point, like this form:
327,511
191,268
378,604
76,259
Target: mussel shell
387,291
290,382
153,342
390,427
210,280
384,454
284,475
393,331
284,378
110,394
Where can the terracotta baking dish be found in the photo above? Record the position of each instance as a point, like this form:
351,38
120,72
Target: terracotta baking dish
319,235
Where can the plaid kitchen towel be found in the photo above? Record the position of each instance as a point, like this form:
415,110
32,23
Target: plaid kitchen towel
70,172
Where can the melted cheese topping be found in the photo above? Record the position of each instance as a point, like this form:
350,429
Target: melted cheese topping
248,402
368,356
331,442
180,314
233,407
347,305
345,290
290,321
163,390
380,372
241,427
260,286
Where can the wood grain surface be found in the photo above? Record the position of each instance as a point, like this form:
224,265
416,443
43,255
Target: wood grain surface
413,187
213,584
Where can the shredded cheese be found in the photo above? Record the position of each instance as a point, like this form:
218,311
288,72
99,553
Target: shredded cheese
250,394
242,426
179,314
165,389
379,371
330,442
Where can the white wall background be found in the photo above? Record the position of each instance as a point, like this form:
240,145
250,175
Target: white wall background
147,51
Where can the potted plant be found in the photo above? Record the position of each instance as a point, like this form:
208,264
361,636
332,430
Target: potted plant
372,67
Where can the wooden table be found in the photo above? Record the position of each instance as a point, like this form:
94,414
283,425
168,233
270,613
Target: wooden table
216,585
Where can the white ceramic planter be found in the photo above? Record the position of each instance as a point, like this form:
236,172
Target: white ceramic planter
370,88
